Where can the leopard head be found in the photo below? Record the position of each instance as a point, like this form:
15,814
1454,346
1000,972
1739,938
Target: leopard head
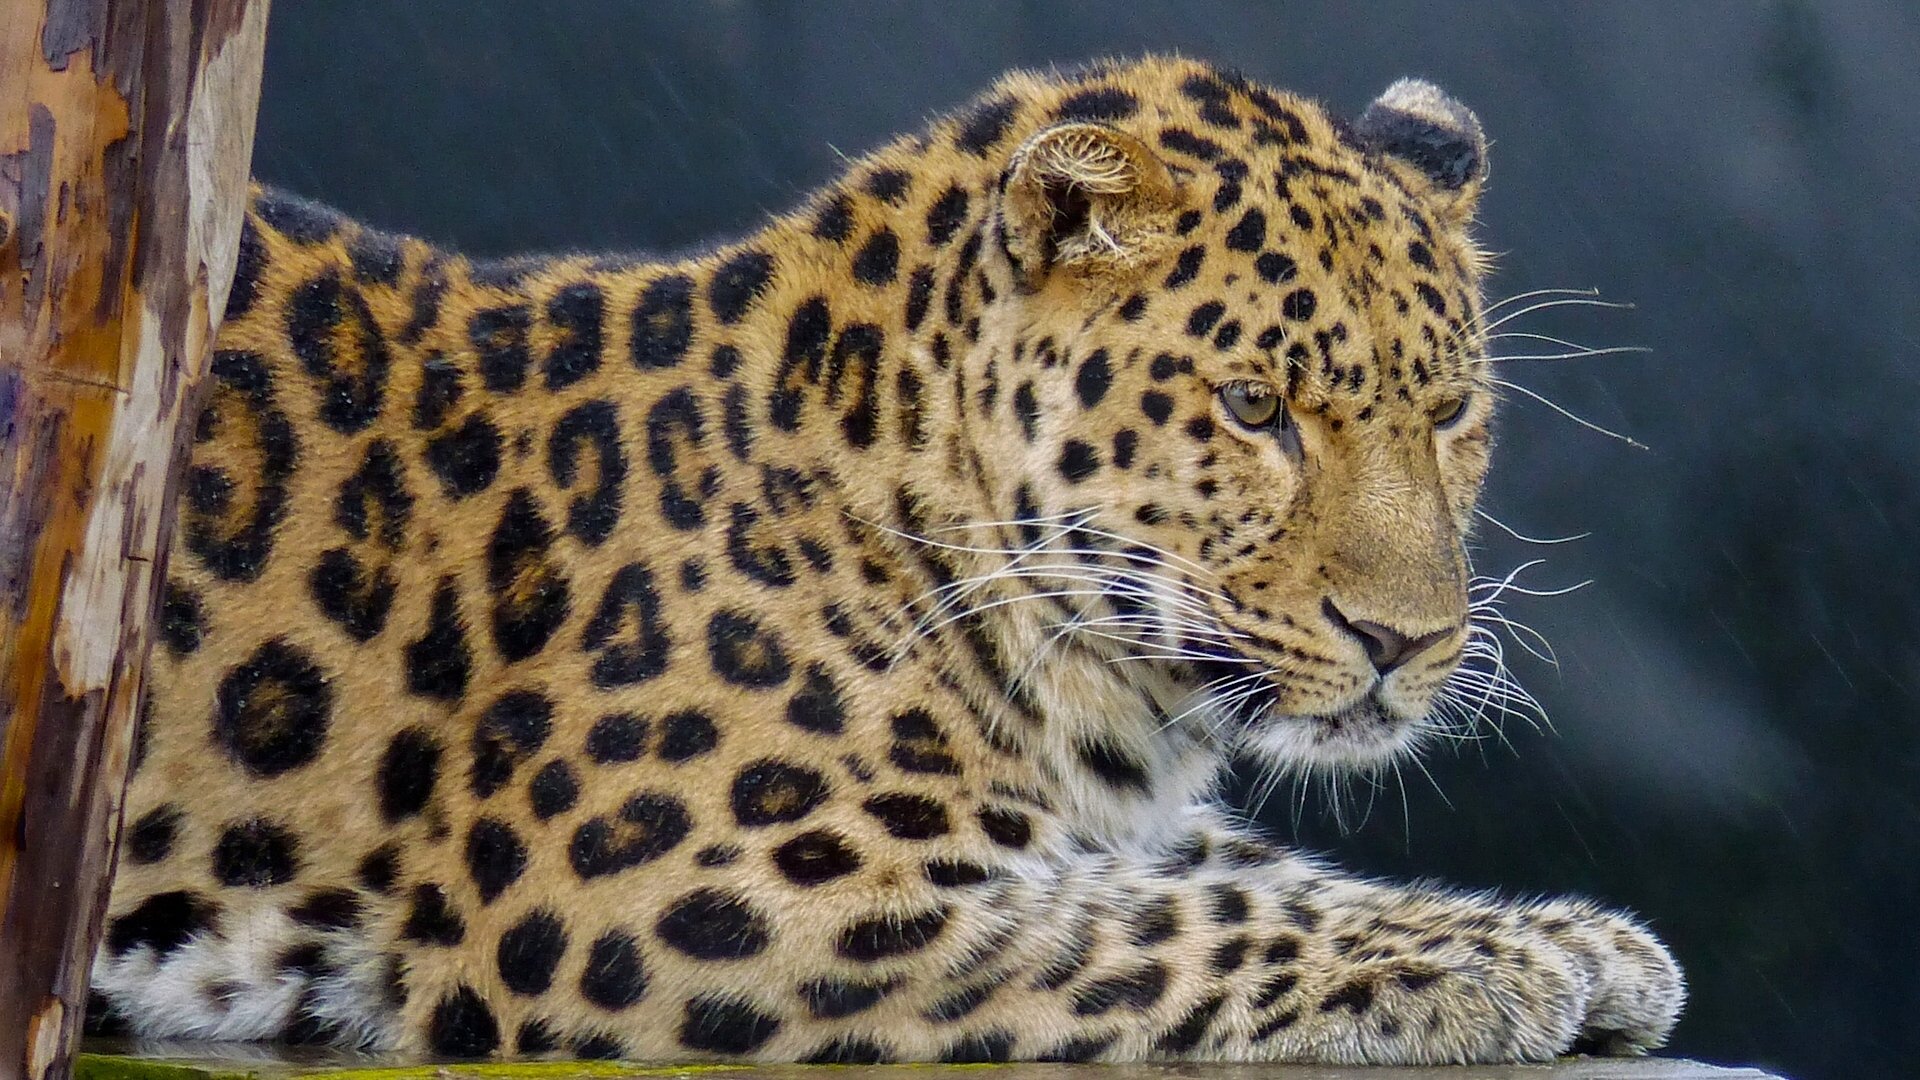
1249,348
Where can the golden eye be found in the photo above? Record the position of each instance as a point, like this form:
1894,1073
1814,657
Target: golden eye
1254,406
1449,412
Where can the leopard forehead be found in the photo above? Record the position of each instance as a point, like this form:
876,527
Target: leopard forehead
1300,255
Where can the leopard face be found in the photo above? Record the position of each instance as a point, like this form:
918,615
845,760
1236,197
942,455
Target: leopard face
1259,359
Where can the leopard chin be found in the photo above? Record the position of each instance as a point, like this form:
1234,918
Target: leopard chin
1356,737
1368,730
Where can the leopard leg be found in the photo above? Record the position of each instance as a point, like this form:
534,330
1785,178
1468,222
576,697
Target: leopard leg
1225,949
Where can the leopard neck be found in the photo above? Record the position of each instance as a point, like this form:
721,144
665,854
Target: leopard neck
854,346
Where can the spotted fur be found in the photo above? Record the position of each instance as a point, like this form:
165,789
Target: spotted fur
824,648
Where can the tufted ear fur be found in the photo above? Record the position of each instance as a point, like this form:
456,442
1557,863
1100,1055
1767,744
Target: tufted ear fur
1084,195
1439,138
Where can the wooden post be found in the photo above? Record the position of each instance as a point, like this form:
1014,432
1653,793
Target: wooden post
125,132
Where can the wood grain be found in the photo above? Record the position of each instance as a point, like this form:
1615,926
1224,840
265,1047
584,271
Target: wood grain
125,132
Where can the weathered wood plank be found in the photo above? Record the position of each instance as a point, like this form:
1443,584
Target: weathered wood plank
125,132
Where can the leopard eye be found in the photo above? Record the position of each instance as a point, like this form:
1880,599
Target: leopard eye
1449,412
1255,407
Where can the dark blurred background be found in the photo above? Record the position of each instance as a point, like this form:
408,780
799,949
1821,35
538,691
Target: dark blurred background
1736,751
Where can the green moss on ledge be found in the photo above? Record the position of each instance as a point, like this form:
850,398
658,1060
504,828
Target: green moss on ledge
212,1062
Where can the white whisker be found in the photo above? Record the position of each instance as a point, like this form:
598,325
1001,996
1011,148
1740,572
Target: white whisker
1531,293
1570,301
1580,354
1575,417
1523,538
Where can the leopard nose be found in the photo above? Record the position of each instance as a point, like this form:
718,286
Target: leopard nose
1386,647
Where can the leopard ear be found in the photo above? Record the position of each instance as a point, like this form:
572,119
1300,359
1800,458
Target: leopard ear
1086,196
1438,139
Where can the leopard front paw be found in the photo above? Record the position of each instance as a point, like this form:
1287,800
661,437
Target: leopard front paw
1532,984
1493,993
1636,987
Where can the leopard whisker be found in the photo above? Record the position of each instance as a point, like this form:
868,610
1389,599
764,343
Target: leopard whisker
1406,808
1159,653
1004,601
1495,688
1521,632
1528,335
1568,301
1208,697
1428,773
1168,627
1580,354
1525,539
1127,581
1532,293
1081,624
1128,540
1059,569
1264,788
1500,584
1498,691
1523,591
1066,628
979,581
1130,581
1013,523
1179,587
1061,524
1569,414
1488,331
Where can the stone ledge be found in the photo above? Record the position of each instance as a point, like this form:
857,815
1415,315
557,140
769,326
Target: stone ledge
231,1062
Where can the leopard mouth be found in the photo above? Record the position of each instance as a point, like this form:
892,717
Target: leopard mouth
1368,718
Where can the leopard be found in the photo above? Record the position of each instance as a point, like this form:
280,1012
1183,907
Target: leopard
828,646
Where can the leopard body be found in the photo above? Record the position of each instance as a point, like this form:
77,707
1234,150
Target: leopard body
827,647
